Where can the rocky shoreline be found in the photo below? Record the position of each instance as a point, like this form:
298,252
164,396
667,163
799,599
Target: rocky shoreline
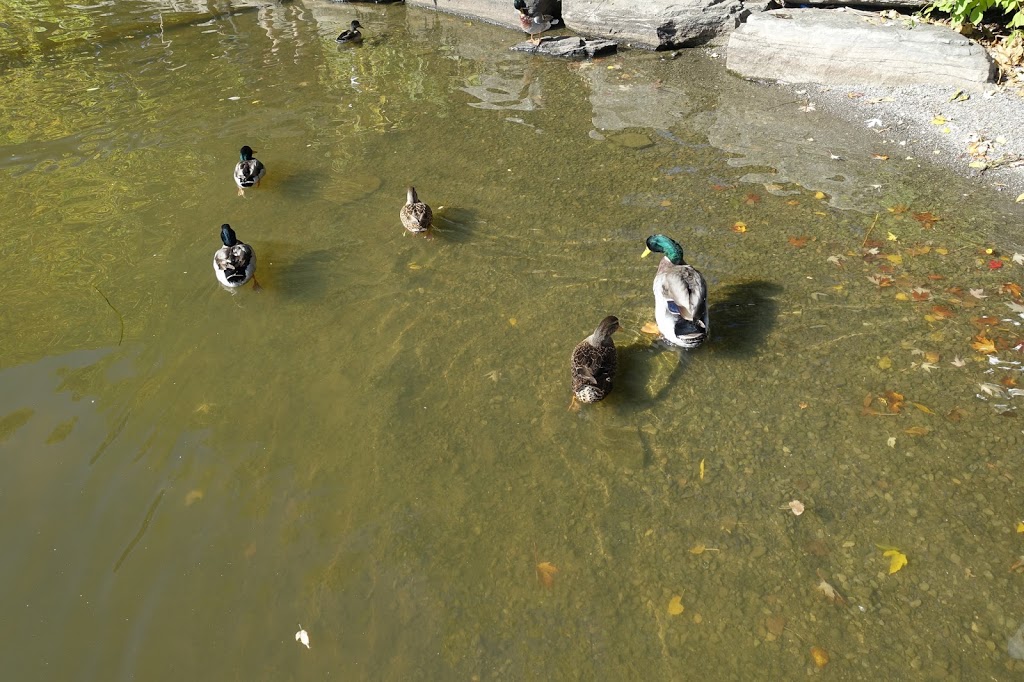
927,92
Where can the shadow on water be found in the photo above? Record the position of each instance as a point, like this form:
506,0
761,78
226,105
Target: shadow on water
742,315
454,224
304,277
297,183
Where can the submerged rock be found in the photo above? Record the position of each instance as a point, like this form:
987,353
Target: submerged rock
1015,647
849,47
567,46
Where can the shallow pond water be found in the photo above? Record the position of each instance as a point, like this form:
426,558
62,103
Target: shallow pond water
377,445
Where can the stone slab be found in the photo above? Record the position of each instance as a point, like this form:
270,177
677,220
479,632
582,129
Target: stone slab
653,23
499,12
848,47
568,46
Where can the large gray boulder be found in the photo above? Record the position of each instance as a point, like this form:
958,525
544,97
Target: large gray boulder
848,47
498,12
653,23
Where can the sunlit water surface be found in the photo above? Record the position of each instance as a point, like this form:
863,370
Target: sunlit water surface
378,447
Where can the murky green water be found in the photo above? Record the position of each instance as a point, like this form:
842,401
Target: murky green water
377,446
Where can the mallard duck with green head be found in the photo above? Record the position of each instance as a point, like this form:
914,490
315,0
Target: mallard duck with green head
416,216
351,34
593,363
680,295
248,171
234,264
533,24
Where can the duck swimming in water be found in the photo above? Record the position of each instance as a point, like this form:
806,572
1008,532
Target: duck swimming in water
593,363
248,171
351,35
234,264
680,295
416,216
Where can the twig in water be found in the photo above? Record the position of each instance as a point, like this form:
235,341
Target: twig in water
119,317
869,231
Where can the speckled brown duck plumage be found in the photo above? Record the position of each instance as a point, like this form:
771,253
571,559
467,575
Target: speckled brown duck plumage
594,362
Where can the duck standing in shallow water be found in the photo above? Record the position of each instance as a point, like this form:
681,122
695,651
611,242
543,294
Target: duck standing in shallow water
248,171
416,216
352,34
533,25
234,264
594,362
680,295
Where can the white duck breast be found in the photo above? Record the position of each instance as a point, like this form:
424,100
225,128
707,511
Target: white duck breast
680,304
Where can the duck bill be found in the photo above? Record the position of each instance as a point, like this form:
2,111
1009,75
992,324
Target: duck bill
646,253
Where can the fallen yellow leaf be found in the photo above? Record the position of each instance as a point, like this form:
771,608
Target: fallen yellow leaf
885,363
546,573
1020,526
939,120
650,328
931,356
702,470
193,496
739,226
819,656
1020,199
894,258
819,195
675,605
697,549
921,407
917,431
666,202
897,560
512,321
900,296
983,344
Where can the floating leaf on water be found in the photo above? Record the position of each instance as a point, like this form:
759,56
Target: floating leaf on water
819,656
798,242
897,559
939,120
917,431
819,195
302,636
983,344
957,361
795,506
891,442
698,549
978,293
880,157
931,356
794,202
650,328
739,226
666,202
751,199
675,605
702,470
1019,200
921,407
546,573
1020,526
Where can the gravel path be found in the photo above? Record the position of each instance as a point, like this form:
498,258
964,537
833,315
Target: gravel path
984,129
